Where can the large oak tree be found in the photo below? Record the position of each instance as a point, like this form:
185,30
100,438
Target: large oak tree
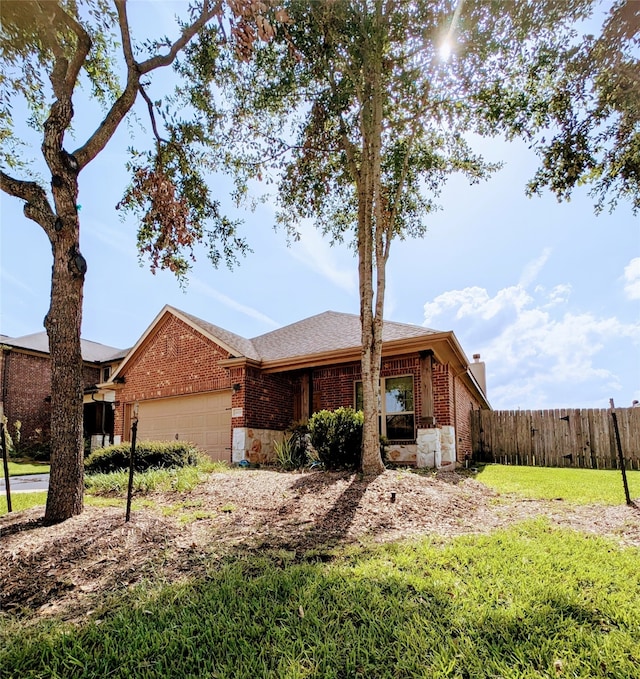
49,49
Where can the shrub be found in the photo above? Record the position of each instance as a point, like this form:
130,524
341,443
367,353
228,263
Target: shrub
148,455
38,445
12,443
293,452
337,437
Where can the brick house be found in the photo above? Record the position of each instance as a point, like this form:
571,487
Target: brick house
235,396
25,373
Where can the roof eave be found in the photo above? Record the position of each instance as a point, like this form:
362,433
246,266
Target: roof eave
240,362
437,341
39,353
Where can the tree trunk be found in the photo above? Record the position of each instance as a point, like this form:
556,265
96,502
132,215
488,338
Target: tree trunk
369,225
63,325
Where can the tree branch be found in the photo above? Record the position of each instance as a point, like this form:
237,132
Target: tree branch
393,211
37,206
82,49
206,14
99,139
154,127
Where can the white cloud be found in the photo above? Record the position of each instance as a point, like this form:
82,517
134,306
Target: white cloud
539,354
196,284
533,268
122,239
632,278
316,252
12,280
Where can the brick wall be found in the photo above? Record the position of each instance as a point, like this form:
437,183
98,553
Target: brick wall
334,386
443,398
268,400
176,360
465,402
26,380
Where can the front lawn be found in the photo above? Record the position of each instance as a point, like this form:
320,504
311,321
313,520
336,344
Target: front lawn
528,602
114,485
21,501
579,486
27,468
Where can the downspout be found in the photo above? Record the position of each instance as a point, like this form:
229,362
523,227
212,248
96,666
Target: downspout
455,414
104,414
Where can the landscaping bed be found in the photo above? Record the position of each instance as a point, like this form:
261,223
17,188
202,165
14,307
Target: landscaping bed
64,570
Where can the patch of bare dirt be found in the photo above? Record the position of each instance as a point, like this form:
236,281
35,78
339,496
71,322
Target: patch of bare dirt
66,569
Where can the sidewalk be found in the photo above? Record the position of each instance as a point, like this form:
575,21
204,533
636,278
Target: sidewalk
31,483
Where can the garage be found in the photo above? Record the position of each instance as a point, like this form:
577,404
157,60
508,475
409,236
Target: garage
204,419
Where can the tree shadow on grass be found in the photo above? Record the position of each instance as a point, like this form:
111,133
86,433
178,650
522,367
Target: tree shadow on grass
383,617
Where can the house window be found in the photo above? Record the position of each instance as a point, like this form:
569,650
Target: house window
397,415
106,373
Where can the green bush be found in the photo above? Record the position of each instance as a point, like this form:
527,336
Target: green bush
148,455
337,437
293,452
12,443
38,445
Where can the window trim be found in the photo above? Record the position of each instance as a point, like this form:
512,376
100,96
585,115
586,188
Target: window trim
382,413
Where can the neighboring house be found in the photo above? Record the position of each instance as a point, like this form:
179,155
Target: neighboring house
25,373
234,397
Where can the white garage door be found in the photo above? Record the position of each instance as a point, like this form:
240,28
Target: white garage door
204,419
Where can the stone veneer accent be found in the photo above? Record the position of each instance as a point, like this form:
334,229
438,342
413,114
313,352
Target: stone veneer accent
436,447
254,445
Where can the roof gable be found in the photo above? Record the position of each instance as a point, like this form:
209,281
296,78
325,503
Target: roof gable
233,344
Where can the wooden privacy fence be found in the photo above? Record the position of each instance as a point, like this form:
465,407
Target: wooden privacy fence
556,438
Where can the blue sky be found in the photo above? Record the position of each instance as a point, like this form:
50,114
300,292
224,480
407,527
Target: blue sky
547,292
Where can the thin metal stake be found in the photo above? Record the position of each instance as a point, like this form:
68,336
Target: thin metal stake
134,435
5,464
620,456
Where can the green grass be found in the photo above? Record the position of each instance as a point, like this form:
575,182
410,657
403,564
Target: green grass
24,468
21,501
182,479
116,483
111,489
524,603
579,486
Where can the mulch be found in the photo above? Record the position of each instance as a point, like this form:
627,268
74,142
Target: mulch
67,569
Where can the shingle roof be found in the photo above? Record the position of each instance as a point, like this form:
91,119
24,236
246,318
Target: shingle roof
241,345
92,352
328,331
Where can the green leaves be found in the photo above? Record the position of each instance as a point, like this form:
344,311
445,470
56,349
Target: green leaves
594,115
